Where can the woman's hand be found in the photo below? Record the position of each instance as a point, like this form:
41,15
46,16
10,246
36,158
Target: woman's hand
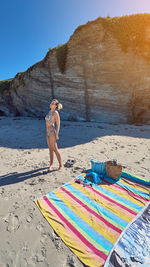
57,137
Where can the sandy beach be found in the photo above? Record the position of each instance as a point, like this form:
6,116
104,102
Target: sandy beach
26,237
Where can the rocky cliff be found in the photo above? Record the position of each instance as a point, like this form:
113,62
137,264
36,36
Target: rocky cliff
101,74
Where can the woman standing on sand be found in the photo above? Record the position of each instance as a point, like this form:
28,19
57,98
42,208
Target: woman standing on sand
52,134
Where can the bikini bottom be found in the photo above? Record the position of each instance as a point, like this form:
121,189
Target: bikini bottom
51,131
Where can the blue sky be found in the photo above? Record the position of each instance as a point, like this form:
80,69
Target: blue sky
28,28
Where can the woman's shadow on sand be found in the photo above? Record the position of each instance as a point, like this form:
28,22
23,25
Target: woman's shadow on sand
15,177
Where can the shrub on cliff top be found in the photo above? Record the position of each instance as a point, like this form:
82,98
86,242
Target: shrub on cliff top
4,85
129,31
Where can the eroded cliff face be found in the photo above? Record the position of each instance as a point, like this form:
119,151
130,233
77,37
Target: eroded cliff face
101,82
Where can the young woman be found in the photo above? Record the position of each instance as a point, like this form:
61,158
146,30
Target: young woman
52,134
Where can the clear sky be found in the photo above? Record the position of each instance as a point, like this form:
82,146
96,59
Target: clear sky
28,28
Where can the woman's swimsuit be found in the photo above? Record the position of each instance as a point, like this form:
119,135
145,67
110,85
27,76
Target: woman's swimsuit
49,119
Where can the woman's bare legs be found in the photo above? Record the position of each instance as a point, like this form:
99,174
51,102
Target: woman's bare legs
56,150
51,153
52,145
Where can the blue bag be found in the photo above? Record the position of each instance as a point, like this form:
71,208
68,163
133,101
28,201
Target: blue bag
98,166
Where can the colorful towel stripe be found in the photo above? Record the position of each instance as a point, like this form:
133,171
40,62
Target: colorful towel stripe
90,219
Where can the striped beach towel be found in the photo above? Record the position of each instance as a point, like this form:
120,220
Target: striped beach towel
89,219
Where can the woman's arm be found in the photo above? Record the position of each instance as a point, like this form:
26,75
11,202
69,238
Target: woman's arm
57,125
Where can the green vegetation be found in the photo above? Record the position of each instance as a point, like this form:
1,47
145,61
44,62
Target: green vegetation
21,82
20,78
5,85
129,31
61,55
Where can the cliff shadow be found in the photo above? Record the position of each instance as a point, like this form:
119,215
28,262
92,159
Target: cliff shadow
30,133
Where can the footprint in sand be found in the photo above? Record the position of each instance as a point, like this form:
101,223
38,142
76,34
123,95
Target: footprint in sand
33,182
40,255
55,236
138,162
76,169
40,227
16,205
44,238
41,180
25,247
29,218
56,240
73,261
13,223
2,191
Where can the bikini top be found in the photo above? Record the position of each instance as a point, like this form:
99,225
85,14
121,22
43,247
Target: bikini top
49,117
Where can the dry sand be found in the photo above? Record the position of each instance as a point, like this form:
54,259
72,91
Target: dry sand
26,237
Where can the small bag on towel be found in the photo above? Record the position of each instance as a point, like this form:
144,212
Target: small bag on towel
98,166
108,168
113,170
